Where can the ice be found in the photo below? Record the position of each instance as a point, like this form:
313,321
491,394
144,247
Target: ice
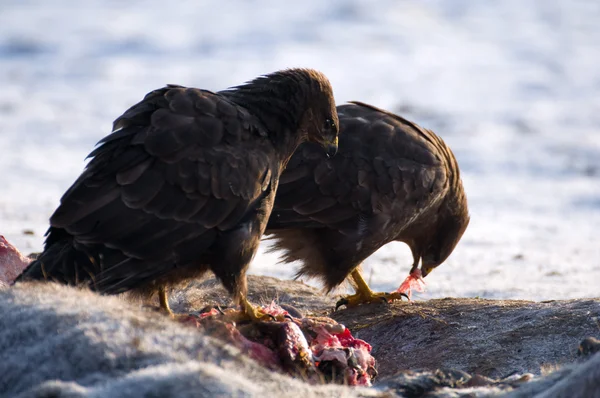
512,86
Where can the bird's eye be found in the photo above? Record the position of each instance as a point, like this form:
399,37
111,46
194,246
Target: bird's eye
329,124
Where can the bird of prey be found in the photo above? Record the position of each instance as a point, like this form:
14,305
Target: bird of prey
184,184
391,181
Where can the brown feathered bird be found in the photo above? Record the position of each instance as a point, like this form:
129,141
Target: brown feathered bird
185,184
391,181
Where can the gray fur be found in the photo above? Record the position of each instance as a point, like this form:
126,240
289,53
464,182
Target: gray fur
59,341
579,380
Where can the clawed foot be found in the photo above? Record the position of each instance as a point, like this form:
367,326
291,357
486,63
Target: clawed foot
359,298
248,313
255,314
365,295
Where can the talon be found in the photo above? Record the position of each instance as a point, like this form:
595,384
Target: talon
218,308
398,296
365,295
341,302
273,318
255,314
360,298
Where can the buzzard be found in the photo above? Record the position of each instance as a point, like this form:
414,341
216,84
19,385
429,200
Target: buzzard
391,181
184,184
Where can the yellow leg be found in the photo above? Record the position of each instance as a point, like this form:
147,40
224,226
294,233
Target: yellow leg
163,298
364,294
253,313
361,285
248,312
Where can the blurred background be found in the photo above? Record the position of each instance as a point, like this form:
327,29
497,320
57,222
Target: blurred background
512,86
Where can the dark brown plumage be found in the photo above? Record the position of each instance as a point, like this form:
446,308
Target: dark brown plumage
185,183
391,181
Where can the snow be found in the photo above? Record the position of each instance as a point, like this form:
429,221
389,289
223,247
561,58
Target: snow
512,86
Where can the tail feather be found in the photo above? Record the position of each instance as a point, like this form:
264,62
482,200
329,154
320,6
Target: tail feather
67,262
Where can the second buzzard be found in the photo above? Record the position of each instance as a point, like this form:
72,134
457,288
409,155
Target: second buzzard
391,181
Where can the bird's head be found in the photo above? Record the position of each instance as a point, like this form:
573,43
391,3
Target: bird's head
297,100
449,232
327,135
320,121
435,245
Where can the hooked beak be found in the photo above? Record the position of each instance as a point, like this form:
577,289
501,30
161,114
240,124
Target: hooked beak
331,146
425,270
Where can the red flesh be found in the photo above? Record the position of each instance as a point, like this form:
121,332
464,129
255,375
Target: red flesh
414,281
12,262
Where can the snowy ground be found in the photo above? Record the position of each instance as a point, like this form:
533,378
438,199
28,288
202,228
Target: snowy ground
512,86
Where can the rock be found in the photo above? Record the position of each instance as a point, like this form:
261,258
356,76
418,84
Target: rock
589,346
581,380
494,338
62,341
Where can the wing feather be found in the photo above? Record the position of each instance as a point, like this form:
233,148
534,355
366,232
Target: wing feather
383,166
161,186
